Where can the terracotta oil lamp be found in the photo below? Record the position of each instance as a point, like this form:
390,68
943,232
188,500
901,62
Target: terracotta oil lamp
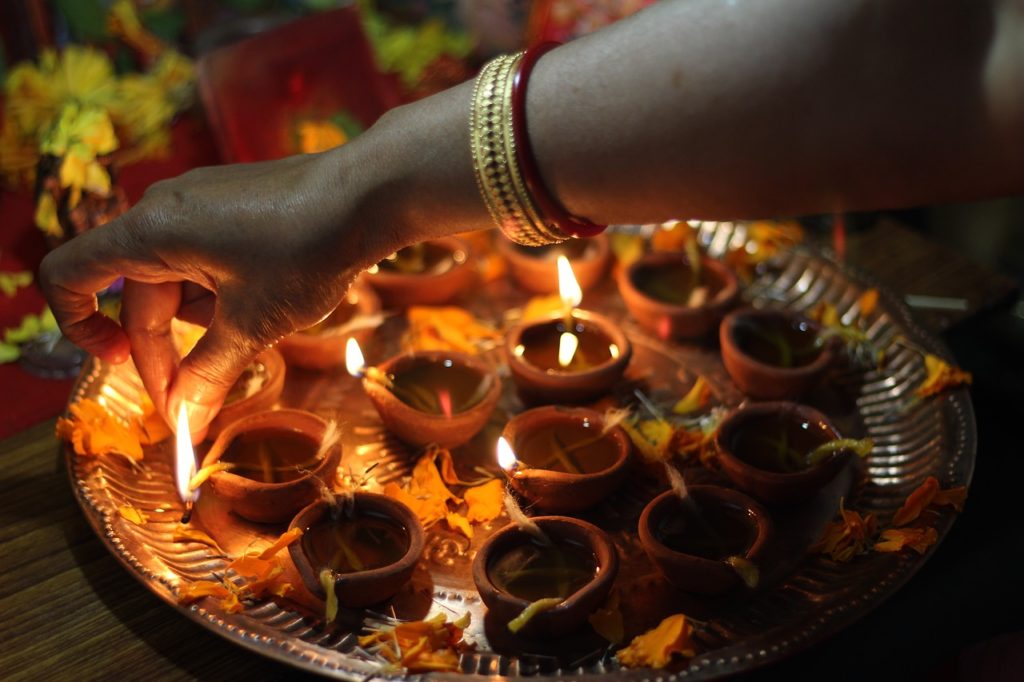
773,354
370,545
424,397
258,389
764,448
430,273
534,268
322,346
572,357
576,563
277,464
561,460
694,541
665,295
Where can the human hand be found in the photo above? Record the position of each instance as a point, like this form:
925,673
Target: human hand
254,251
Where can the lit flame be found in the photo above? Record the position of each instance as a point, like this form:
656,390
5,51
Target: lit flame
354,361
185,458
567,345
506,457
568,288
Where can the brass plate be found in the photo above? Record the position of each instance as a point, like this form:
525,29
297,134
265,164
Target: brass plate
805,598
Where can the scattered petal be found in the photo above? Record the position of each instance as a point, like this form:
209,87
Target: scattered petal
130,513
917,539
186,533
655,648
93,431
420,646
459,523
541,307
867,302
695,399
928,494
447,328
484,502
652,437
941,375
286,538
847,537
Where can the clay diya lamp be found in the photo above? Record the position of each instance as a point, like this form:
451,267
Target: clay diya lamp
561,459
424,397
773,354
765,449
370,545
668,298
258,389
277,464
322,346
429,273
577,563
534,267
699,544
555,361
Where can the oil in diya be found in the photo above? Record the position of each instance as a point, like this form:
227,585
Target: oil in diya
565,459
782,452
423,258
715,531
570,357
533,570
709,541
354,543
779,442
429,273
272,455
779,341
361,546
427,397
774,354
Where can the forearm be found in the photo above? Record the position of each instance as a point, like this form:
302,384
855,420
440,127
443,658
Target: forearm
711,109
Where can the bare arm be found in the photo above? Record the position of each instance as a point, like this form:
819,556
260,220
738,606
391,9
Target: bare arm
693,108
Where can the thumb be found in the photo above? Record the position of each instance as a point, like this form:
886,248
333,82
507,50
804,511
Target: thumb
205,375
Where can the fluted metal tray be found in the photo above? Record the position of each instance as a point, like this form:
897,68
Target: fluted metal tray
804,598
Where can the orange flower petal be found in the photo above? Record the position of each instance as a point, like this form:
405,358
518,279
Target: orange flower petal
655,648
846,538
251,566
695,399
199,589
130,513
93,431
867,302
539,307
447,328
286,538
916,502
941,375
607,620
917,539
485,502
951,497
460,523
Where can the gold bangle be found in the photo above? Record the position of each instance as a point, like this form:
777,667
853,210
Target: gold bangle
495,164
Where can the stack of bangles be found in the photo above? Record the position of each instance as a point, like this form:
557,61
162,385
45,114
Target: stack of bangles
506,169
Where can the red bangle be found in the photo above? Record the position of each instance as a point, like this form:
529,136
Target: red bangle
552,212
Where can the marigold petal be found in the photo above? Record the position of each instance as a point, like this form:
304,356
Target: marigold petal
656,647
130,513
485,502
695,399
916,502
286,538
607,620
460,523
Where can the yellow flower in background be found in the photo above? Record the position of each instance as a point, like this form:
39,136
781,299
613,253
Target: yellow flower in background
32,98
46,215
86,75
319,136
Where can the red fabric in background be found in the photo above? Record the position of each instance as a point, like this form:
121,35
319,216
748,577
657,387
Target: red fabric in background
26,399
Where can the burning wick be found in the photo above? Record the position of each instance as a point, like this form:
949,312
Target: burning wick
568,290
356,365
507,457
567,345
185,464
508,462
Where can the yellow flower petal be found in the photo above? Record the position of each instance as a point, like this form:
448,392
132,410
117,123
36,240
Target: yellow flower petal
655,648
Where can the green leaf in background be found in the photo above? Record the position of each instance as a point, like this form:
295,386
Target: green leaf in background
87,19
167,24
348,124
